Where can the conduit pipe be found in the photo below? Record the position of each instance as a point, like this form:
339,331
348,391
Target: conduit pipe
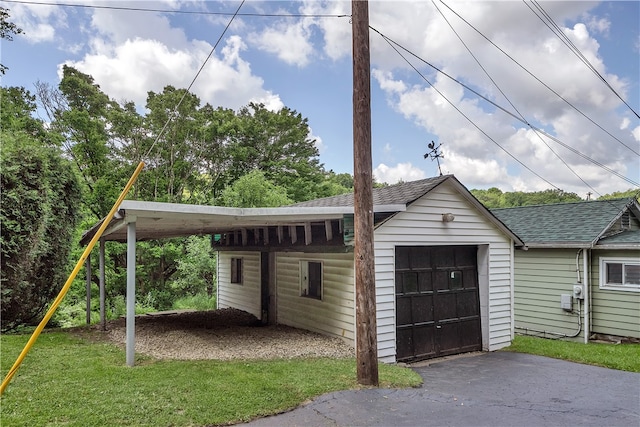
556,334
70,280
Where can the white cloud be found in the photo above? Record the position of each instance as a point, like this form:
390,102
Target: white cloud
127,71
336,32
290,42
400,172
318,141
600,25
625,123
38,22
386,82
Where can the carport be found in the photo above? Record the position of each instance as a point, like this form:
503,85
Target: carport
140,220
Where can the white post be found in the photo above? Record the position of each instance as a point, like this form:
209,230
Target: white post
131,293
103,319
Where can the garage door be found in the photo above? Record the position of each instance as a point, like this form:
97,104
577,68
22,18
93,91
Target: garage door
437,301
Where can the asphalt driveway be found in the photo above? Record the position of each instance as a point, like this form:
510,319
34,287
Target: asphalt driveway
489,389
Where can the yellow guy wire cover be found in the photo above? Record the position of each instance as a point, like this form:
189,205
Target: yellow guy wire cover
73,275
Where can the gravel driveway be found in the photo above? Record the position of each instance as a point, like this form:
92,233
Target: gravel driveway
223,335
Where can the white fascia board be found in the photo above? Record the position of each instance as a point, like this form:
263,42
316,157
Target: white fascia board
150,209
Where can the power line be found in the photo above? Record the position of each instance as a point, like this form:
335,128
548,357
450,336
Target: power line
389,41
533,127
184,12
540,81
546,19
507,98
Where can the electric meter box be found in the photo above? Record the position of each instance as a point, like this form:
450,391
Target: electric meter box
566,302
578,291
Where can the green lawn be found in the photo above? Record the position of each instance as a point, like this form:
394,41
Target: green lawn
66,380
624,357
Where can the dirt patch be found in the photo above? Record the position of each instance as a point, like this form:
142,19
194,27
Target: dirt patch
224,334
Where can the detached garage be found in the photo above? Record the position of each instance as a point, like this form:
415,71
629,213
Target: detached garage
444,271
443,265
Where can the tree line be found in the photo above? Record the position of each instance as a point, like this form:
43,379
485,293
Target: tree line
61,175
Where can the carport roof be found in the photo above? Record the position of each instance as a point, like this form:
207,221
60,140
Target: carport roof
155,220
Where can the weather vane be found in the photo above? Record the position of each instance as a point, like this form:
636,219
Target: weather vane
435,154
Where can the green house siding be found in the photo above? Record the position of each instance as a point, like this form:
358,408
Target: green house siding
613,312
541,276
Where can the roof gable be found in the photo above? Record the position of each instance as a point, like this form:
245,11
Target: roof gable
573,224
406,193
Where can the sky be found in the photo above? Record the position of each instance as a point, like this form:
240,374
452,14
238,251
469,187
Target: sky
441,71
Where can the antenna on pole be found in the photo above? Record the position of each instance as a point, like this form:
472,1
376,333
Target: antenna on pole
435,154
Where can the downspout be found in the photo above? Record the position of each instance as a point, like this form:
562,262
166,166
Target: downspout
512,255
586,256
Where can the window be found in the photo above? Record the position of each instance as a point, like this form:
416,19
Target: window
236,270
311,279
620,273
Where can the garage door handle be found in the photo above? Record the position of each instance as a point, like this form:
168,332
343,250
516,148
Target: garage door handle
438,327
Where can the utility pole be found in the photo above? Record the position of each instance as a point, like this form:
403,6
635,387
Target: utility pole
366,330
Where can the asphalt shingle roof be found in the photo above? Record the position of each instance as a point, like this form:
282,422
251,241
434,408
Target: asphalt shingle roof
403,193
632,236
563,223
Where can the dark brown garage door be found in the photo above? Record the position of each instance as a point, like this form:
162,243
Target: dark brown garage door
437,301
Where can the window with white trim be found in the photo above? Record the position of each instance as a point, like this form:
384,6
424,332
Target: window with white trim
311,279
236,270
620,274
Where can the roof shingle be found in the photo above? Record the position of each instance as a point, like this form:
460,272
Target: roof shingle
403,193
562,223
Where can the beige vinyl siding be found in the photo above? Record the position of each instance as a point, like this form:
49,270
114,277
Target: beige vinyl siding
334,314
541,276
613,312
421,225
245,296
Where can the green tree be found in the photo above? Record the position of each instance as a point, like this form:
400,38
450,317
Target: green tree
173,161
39,211
494,198
17,106
621,194
196,271
7,31
255,190
80,112
491,198
278,144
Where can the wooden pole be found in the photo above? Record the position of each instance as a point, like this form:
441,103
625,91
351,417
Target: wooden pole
366,333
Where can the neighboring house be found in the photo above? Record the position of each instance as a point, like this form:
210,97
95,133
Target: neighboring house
443,271
443,265
580,275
